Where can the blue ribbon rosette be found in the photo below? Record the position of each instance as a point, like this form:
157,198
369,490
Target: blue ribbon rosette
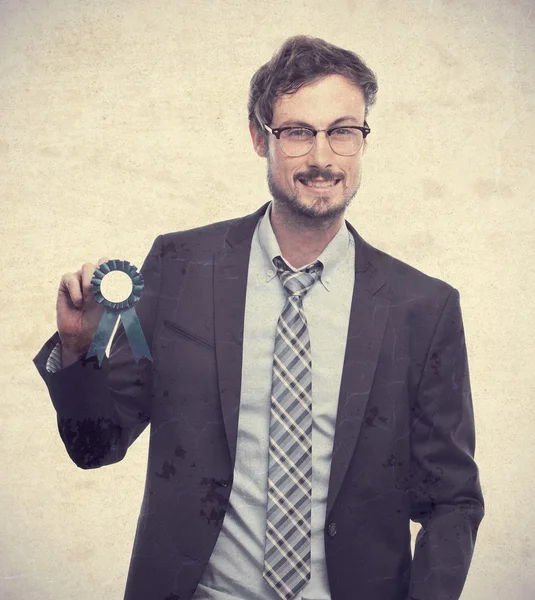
123,310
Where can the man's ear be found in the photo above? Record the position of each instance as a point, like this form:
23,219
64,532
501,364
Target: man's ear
259,141
365,145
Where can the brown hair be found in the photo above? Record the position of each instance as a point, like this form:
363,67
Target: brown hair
303,59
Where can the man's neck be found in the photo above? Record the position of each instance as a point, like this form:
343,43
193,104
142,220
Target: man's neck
302,239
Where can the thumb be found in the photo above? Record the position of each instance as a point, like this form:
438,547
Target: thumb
102,259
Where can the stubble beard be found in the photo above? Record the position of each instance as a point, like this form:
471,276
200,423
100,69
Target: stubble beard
316,211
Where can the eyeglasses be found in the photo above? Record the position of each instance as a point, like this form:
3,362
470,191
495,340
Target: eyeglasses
298,141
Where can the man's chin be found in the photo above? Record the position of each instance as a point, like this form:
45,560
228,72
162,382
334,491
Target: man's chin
318,207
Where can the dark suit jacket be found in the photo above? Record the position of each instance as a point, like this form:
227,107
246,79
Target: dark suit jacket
404,440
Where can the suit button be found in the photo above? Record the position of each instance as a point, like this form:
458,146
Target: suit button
331,530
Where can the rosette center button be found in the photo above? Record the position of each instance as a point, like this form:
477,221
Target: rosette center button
116,286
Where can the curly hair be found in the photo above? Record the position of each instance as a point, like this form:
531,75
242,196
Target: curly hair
301,60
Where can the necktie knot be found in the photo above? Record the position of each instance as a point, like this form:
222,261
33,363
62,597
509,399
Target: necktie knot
297,283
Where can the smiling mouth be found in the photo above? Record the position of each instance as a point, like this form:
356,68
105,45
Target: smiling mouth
319,183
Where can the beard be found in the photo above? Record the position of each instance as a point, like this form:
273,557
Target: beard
321,209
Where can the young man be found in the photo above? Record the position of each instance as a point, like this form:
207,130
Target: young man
308,395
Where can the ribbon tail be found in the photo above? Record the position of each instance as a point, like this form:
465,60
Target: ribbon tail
134,333
102,336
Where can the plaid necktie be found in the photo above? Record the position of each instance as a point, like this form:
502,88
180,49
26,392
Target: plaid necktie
287,548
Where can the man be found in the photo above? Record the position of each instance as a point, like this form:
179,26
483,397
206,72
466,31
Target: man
309,394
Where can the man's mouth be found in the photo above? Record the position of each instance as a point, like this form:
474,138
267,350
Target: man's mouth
319,182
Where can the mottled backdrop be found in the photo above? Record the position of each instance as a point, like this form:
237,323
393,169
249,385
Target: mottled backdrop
123,119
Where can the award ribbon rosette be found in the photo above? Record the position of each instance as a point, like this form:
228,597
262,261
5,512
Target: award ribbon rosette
123,310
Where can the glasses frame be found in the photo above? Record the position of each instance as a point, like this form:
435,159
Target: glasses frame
278,130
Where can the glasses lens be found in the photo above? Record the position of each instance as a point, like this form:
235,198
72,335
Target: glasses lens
296,141
346,141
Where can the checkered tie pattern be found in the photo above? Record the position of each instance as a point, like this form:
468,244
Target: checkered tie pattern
289,509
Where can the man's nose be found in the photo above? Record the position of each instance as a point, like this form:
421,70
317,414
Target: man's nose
321,153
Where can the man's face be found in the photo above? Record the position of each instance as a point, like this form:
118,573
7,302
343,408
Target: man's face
291,180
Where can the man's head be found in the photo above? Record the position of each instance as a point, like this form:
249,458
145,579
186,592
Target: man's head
312,84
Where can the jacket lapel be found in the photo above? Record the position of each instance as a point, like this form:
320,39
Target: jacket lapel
230,286
367,324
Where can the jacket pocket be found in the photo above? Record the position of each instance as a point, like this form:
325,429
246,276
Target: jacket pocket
178,330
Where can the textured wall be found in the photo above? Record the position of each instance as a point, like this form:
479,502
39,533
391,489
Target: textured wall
123,119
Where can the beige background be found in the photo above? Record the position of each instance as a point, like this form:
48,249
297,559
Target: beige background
124,119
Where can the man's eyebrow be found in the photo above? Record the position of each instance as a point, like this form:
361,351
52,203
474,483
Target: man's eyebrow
347,118
295,123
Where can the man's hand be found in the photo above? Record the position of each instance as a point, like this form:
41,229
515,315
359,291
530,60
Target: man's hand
78,313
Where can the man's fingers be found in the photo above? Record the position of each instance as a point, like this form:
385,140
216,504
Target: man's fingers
71,286
87,275
78,287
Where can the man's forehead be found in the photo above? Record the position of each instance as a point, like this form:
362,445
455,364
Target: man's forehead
321,102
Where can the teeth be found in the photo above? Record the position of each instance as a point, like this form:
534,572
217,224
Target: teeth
321,184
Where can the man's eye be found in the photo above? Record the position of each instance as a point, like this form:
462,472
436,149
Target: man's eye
297,133
343,131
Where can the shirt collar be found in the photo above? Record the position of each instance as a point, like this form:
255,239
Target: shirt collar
331,257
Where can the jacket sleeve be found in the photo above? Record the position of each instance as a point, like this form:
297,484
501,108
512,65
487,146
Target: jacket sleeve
445,492
102,409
